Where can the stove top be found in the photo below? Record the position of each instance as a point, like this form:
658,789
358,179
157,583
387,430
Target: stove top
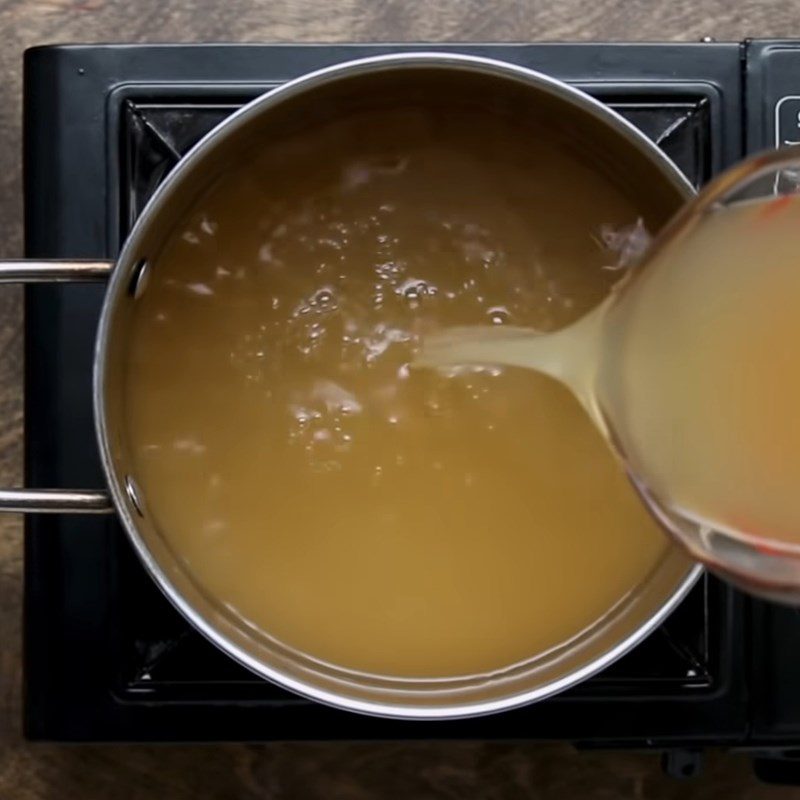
107,657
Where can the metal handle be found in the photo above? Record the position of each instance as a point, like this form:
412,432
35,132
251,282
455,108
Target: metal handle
24,271
55,501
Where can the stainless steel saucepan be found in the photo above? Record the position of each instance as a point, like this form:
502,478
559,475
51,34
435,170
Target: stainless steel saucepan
605,139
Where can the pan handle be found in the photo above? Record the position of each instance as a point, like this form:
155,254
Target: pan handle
55,501
53,271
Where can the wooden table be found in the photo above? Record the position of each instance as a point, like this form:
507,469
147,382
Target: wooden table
400,770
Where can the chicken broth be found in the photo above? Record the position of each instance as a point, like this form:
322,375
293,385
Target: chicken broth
393,521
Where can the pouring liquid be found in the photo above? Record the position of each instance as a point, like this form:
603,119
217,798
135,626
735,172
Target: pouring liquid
691,369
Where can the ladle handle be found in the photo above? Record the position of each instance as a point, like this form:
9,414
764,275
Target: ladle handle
55,501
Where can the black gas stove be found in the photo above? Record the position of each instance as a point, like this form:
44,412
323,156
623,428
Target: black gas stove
107,657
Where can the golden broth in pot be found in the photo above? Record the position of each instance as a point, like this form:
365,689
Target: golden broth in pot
386,520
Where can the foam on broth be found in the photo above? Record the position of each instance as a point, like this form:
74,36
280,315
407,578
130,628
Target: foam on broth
400,522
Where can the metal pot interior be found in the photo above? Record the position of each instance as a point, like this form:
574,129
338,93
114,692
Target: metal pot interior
599,136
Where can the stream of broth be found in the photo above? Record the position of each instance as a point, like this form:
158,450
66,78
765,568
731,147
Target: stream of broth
694,367
394,521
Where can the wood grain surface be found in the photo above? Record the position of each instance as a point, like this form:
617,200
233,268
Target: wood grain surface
400,770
